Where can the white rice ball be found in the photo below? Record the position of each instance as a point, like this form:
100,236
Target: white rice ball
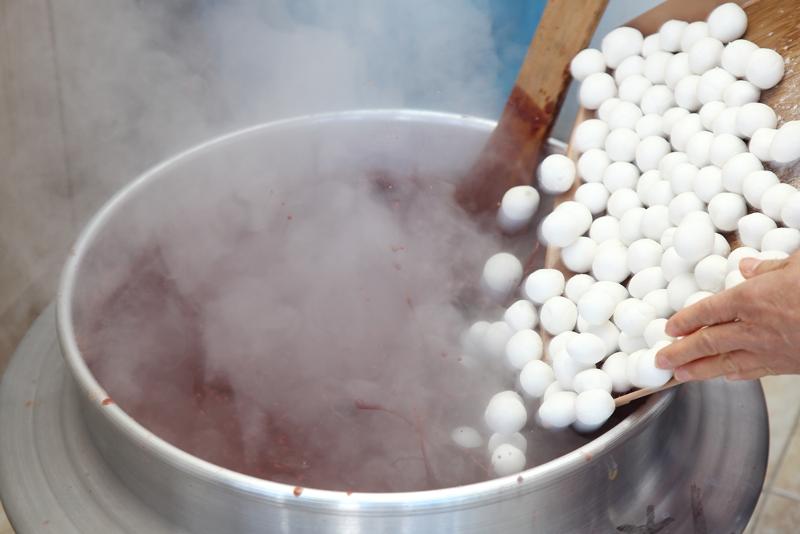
655,332
669,35
630,225
595,89
708,183
724,147
698,148
738,255
516,439
741,92
659,300
646,281
753,116
621,143
522,347
712,85
625,115
586,62
578,256
693,33
496,337
710,272
632,316
544,284
694,240
644,253
604,228
606,109
466,437
765,68
621,43
536,377
610,262
647,373
736,55
709,112
589,134
596,307
785,146
521,315
505,413
586,348
672,264
619,175
705,54
677,69
501,274
761,143
558,410
756,184
655,222
557,315
577,286
649,152
566,223
657,99
633,88
556,174
655,66
680,288
517,208
774,198
737,168
630,344
753,227
592,164
621,201
507,460
783,239
727,22
615,367
594,407
790,212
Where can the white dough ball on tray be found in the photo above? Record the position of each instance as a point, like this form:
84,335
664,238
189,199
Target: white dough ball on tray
753,116
727,22
523,347
694,298
694,240
693,33
682,178
566,223
725,123
558,315
772,255
651,45
621,201
644,253
586,62
683,130
672,264
724,147
615,367
647,373
655,221
614,289
592,164
668,238
632,366
594,196
565,368
577,286
721,245
782,239
649,152
596,307
592,379
705,54
737,168
604,228
632,316
611,263
586,348
505,413
594,407
606,109
502,274
739,93
774,198
558,343
589,134
657,99
516,439
621,43
698,148
644,182
790,212
646,281
680,288
686,93
736,55
633,88
619,175
785,146
765,68
708,183
608,333
578,256
625,115
709,112
655,66
621,143
558,410
725,210
630,65
753,228
596,89
684,204
536,377
521,315
655,332
677,69
544,284
712,85
553,388
669,162
630,344
651,124
738,255
507,460
659,300
756,184
710,272
761,143
630,225
669,35
556,174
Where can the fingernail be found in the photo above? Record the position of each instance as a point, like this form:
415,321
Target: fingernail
670,329
681,375
662,362
749,265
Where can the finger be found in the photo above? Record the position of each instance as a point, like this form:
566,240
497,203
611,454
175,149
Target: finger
720,308
717,339
728,363
751,267
749,375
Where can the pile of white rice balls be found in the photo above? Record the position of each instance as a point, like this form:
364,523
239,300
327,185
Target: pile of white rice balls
672,164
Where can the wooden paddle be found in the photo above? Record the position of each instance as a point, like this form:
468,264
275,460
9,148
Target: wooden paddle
512,152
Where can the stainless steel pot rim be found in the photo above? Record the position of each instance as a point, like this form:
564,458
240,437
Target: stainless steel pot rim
405,502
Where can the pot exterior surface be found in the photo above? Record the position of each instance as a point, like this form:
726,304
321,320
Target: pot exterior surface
691,460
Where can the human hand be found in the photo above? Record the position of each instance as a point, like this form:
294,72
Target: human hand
746,332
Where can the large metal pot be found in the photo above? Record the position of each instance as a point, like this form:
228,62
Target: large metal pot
697,454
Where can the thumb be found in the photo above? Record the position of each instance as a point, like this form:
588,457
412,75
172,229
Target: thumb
751,267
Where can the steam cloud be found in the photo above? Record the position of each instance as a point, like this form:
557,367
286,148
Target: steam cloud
272,292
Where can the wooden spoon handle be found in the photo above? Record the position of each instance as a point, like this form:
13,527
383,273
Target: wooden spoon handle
511,155
622,400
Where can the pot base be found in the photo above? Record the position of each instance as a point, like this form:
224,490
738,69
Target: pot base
707,480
